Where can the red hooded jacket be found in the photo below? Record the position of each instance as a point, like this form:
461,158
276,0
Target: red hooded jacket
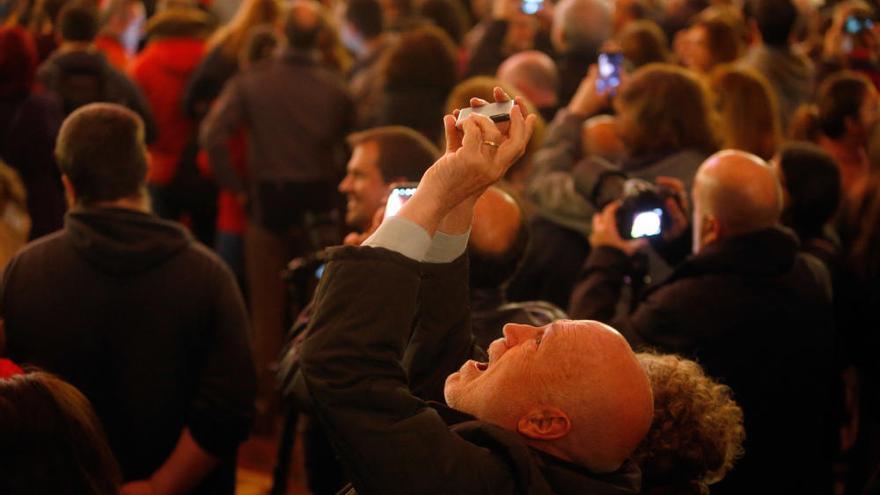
162,71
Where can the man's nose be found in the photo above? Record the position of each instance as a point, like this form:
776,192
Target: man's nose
344,185
515,333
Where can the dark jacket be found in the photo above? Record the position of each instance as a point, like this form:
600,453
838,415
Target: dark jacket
755,315
28,127
389,440
296,114
84,76
149,325
206,82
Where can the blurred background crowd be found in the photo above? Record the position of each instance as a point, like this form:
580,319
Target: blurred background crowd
274,131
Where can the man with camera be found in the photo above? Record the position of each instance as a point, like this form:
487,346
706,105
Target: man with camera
751,310
557,409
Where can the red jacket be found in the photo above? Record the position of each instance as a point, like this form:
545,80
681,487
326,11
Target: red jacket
162,71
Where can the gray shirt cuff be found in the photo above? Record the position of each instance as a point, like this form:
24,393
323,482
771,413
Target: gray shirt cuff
403,236
447,248
411,240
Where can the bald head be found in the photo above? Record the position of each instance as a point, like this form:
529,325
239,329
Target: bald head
498,239
580,25
497,220
303,24
534,74
599,382
573,389
735,193
599,137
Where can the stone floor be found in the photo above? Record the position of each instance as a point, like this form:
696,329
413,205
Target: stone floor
256,460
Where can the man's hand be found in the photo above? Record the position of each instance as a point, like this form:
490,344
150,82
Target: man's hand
587,101
677,208
476,157
605,232
504,10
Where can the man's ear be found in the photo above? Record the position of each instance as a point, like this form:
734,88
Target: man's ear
69,193
711,230
544,423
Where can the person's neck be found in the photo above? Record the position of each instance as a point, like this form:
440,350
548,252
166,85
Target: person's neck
139,203
75,46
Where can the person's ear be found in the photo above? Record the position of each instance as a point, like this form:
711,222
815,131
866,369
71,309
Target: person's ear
711,230
69,192
544,423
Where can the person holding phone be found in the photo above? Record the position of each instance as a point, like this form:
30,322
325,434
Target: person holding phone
852,42
556,409
747,306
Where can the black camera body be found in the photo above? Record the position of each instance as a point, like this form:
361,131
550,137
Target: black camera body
642,212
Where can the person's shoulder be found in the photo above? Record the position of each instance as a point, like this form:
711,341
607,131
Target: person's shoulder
202,259
40,251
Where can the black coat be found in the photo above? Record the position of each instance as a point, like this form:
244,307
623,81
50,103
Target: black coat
148,324
376,310
28,127
756,315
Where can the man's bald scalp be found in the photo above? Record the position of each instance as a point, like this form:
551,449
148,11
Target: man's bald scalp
740,190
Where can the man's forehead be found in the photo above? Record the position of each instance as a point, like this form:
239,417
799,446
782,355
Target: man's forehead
365,157
579,331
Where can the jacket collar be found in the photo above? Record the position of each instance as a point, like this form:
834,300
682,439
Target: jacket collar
536,472
765,253
300,57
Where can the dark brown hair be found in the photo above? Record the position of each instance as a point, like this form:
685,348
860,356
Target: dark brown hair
403,152
643,42
100,148
671,111
51,440
747,112
722,38
424,57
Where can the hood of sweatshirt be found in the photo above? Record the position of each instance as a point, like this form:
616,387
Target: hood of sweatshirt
123,242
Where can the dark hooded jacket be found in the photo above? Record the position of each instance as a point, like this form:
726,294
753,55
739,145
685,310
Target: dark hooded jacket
80,77
756,315
148,324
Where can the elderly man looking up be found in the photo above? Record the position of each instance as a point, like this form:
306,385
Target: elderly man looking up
747,306
556,409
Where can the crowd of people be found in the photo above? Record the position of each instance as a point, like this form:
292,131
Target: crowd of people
194,245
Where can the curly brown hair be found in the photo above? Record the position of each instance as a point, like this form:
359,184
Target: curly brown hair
697,431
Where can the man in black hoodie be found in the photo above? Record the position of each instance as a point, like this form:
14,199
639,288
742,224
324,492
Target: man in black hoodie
79,74
148,324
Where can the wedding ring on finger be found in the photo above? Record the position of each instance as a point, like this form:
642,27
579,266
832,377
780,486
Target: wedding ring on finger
490,143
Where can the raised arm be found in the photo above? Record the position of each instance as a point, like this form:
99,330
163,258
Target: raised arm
366,308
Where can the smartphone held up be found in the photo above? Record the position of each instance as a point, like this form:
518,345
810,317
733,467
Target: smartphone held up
610,67
497,112
400,194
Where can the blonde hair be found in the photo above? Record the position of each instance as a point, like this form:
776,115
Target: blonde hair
747,110
232,37
697,431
